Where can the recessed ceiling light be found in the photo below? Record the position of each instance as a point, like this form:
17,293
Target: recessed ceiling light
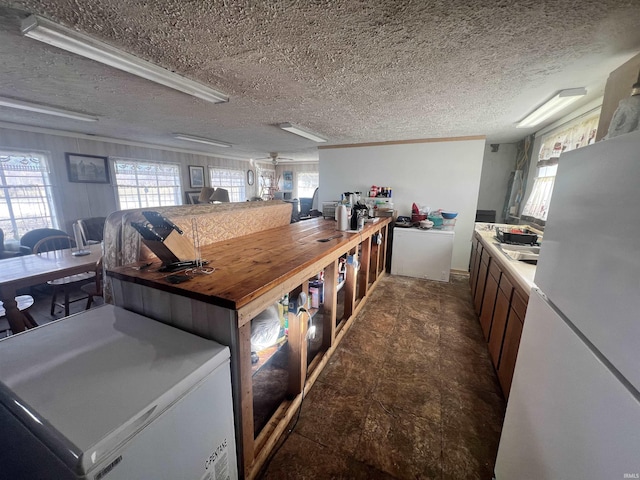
208,141
551,107
35,107
53,34
301,132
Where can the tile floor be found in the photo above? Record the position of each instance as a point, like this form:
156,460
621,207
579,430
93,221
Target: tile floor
409,393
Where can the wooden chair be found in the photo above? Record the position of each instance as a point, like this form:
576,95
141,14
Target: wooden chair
94,289
32,237
24,303
66,284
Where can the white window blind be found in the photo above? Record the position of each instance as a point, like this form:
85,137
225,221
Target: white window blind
25,193
229,179
140,183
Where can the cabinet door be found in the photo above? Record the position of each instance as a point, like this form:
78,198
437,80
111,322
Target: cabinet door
482,281
509,351
474,251
500,314
474,272
488,304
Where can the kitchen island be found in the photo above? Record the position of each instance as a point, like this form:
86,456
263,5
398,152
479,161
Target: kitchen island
250,274
500,289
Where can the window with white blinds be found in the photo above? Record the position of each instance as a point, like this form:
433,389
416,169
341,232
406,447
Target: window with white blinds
307,183
229,179
140,183
25,193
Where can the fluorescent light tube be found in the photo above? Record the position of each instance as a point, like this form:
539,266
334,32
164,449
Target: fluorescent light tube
208,141
53,34
303,133
551,107
34,107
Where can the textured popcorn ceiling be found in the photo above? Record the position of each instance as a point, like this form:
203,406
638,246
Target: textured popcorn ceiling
353,71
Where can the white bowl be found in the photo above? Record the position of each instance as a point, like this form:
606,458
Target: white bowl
426,224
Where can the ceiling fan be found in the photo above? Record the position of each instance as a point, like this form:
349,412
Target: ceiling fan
275,158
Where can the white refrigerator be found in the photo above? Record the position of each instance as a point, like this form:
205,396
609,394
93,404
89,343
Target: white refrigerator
574,406
110,394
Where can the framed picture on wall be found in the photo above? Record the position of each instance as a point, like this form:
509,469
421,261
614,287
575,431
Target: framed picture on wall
87,168
196,176
192,197
287,181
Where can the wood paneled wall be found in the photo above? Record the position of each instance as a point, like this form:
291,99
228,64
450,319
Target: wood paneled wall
81,200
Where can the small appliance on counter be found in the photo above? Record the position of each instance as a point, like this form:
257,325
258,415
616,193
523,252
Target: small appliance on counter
517,236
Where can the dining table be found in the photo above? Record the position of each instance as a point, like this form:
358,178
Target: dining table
35,269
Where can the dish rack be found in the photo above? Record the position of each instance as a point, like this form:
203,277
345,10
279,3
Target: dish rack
527,237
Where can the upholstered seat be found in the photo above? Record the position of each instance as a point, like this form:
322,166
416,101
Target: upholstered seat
92,229
6,253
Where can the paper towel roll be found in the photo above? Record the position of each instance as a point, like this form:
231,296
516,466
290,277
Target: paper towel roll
342,219
77,235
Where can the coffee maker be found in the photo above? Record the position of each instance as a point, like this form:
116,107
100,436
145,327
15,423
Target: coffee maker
358,211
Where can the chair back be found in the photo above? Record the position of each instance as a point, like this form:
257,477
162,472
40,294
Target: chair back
92,228
30,239
54,242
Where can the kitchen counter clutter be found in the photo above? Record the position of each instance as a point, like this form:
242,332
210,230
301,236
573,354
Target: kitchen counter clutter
248,275
500,288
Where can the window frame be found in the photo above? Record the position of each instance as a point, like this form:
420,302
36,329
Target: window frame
45,188
298,175
177,195
237,193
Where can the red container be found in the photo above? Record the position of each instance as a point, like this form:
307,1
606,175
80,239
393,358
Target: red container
416,218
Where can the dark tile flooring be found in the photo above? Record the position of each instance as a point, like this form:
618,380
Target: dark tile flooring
409,393
40,311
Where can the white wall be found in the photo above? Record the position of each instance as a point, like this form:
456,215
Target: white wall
81,200
437,174
496,168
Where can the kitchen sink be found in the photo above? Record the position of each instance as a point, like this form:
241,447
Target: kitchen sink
527,253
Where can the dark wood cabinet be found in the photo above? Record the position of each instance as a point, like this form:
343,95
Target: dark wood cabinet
510,346
501,307
483,271
489,299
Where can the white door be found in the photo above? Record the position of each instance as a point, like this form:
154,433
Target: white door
568,416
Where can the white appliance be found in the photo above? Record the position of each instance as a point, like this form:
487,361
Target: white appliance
112,394
422,253
574,406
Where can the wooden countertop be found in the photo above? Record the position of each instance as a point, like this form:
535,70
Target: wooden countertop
249,266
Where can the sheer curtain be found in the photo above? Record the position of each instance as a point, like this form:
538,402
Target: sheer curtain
576,135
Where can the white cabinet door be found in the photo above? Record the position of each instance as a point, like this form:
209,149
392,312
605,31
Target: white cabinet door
422,253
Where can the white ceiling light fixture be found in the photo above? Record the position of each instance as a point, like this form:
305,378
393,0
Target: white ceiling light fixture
35,107
208,141
551,107
301,132
75,42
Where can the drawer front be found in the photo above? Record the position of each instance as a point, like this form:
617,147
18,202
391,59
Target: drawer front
495,271
519,304
506,286
486,256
